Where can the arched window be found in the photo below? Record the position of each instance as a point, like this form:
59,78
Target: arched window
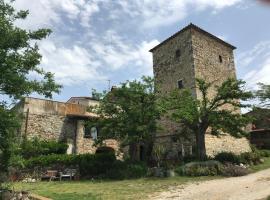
94,132
91,132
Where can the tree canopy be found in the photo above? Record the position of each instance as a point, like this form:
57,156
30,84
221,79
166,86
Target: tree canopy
208,113
19,56
128,113
263,93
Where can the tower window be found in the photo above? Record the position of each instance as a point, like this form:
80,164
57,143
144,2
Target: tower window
220,59
180,84
177,54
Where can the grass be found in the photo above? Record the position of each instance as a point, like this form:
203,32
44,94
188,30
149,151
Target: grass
113,190
98,190
262,166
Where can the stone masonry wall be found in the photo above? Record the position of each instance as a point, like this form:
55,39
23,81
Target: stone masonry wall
168,70
47,127
215,145
87,145
206,52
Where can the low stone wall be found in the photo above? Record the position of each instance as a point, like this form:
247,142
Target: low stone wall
226,143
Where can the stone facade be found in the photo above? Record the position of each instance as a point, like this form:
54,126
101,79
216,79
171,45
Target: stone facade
52,120
189,54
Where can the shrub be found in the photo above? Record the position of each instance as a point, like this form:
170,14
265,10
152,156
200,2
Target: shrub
95,165
126,170
250,158
234,170
36,147
102,165
228,157
207,168
51,160
264,153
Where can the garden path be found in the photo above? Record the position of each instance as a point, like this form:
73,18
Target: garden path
254,186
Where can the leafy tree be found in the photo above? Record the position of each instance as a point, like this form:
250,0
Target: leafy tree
19,56
263,93
129,113
201,115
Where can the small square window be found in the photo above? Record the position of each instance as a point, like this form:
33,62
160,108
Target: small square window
180,84
177,54
220,59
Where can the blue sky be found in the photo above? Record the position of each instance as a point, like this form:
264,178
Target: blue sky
94,41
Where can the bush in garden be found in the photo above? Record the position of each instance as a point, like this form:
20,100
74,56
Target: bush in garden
206,168
126,170
91,165
51,160
234,170
250,158
264,153
36,147
228,157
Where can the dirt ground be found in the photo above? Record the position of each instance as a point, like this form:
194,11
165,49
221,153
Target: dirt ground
251,187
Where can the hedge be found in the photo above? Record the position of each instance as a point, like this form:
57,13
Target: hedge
90,165
36,147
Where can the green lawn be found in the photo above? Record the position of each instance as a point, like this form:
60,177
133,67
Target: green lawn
262,166
113,190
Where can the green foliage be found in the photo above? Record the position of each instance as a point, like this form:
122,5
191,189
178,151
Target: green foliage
207,168
228,157
263,93
126,170
95,165
51,160
36,147
264,152
8,127
19,57
158,154
128,113
197,115
91,165
249,158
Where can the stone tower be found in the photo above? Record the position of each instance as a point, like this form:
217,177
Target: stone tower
189,54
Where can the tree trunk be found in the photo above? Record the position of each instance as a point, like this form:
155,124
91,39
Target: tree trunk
200,141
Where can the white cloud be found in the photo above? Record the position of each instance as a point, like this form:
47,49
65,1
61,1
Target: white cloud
50,12
118,53
154,13
101,48
70,65
147,13
260,75
261,50
255,64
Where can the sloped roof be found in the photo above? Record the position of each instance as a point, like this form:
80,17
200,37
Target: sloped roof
192,26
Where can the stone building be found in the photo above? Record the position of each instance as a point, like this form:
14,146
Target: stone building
63,121
189,54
